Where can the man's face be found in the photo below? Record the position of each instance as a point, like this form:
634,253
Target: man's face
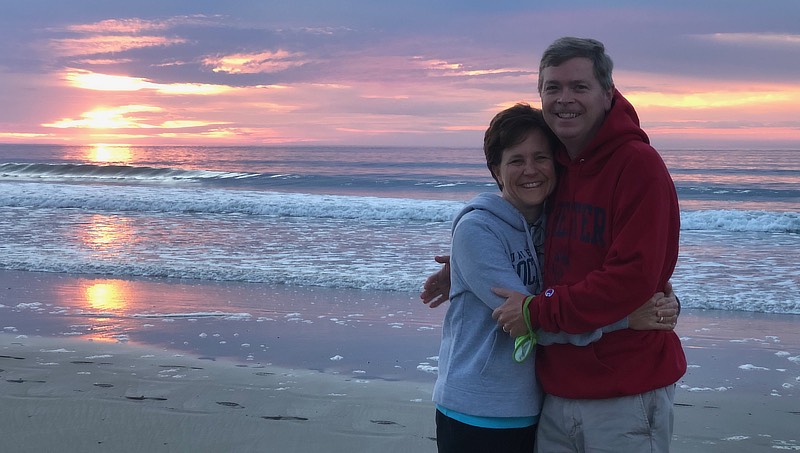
574,103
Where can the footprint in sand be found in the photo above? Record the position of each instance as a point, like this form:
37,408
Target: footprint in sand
99,384
88,362
385,422
230,404
181,367
142,398
283,417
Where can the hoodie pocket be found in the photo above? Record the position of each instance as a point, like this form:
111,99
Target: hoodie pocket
496,365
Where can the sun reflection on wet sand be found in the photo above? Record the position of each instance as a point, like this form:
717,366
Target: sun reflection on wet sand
107,301
110,295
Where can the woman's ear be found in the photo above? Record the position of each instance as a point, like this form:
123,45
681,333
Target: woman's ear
495,169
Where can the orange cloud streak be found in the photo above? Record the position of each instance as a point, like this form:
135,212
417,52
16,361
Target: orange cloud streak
254,63
105,82
109,44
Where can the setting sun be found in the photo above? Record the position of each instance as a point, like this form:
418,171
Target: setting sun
103,153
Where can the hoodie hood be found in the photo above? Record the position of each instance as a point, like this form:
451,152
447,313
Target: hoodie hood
497,206
621,125
507,221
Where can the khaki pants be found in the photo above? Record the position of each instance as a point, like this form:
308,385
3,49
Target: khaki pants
638,424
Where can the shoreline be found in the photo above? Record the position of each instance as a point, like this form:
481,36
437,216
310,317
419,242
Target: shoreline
294,327
341,371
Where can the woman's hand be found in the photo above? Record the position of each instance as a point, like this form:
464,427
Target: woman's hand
660,312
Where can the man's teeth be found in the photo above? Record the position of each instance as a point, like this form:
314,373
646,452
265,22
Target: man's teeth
531,185
567,115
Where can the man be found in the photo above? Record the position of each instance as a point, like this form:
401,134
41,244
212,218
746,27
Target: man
612,241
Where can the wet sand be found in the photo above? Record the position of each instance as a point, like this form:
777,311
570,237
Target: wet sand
207,367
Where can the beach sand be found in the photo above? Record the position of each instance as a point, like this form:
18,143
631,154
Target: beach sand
79,396
120,393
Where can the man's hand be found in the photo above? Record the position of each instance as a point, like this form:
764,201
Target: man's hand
509,315
436,289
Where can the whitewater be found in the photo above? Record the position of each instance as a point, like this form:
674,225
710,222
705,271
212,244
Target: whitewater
364,218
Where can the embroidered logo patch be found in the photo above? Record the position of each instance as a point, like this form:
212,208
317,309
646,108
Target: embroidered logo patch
549,292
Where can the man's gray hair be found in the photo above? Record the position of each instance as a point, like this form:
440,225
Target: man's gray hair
568,47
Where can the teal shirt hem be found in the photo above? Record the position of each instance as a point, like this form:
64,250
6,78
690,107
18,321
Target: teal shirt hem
489,422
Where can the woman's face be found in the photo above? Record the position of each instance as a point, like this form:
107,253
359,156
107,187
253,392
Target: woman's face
527,173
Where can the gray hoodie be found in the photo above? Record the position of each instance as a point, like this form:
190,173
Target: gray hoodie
492,247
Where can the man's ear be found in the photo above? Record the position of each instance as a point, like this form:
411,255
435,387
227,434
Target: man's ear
609,96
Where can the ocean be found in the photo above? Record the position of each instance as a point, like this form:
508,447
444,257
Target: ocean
357,217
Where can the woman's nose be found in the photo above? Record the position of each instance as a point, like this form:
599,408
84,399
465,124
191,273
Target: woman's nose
531,168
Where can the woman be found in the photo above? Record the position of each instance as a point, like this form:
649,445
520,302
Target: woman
486,398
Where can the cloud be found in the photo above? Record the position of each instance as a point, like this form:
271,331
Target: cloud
119,26
127,117
107,118
120,35
449,69
254,63
105,82
70,47
13,135
754,39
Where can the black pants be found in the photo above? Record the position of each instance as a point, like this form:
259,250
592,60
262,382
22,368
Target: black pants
452,436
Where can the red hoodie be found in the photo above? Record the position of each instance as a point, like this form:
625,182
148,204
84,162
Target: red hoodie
612,242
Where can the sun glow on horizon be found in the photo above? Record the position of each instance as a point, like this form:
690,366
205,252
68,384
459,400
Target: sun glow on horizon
712,99
105,153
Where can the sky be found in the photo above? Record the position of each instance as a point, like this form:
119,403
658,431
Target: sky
711,74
